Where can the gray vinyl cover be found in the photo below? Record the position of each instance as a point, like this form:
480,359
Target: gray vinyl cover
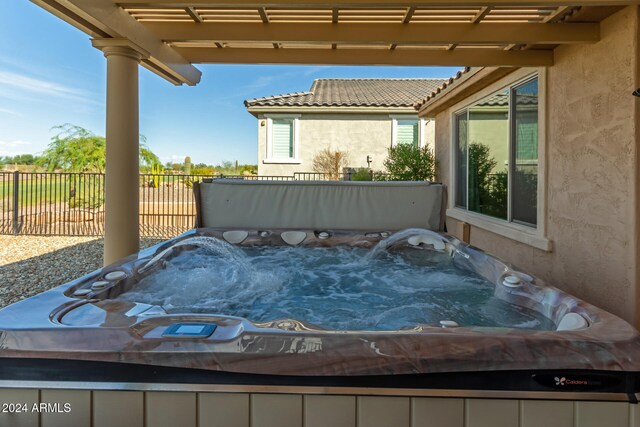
367,206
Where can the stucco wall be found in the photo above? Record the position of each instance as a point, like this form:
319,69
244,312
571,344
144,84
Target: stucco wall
591,182
358,134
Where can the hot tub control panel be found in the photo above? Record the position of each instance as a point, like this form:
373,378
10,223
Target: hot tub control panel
189,330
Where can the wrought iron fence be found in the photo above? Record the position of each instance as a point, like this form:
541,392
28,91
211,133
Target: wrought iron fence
73,204
52,203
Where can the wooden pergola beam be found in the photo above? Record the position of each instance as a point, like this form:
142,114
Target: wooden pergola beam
468,57
104,19
370,3
378,33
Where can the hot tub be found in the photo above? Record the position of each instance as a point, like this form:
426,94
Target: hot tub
319,287
412,310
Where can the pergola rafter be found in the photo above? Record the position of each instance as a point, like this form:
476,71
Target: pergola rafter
243,27
378,33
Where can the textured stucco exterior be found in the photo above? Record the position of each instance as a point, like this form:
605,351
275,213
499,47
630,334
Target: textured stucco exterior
360,135
589,168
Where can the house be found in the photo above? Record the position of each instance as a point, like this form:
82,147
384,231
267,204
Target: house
363,117
542,163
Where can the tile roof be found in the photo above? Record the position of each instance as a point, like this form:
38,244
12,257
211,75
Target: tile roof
354,93
445,83
501,99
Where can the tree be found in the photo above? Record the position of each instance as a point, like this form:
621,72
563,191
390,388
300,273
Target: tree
331,163
75,149
408,162
19,159
147,157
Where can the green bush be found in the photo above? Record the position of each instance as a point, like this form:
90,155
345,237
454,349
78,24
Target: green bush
80,201
361,174
407,162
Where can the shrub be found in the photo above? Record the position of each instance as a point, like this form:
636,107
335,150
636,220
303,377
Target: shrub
86,202
361,174
407,162
330,162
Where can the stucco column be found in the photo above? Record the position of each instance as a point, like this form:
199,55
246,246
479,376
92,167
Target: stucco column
122,236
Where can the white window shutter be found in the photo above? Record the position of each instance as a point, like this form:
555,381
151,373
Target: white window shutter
282,138
407,132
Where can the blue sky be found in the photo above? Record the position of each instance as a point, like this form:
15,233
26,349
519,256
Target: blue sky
50,75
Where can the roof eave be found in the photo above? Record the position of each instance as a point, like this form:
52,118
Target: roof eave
472,81
256,110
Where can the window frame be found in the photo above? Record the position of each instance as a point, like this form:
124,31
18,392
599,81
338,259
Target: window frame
394,127
532,236
295,118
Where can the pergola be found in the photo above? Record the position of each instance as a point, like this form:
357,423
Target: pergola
168,36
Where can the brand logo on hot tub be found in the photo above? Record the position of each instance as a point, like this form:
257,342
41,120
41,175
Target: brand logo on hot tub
561,381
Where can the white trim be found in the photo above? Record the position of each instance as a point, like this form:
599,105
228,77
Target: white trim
282,161
296,139
282,116
394,129
511,230
536,237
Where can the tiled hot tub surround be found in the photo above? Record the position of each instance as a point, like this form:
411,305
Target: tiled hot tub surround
89,325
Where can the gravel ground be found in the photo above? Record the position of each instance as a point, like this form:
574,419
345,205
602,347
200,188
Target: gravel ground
33,264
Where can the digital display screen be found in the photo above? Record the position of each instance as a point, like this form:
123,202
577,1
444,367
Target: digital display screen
190,329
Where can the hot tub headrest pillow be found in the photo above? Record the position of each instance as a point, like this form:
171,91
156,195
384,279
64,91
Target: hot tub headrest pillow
320,205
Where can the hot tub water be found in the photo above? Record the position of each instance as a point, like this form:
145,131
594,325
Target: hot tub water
341,288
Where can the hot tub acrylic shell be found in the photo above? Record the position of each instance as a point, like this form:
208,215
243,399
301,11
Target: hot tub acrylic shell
62,328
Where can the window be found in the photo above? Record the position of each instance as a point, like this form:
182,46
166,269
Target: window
496,155
282,139
407,131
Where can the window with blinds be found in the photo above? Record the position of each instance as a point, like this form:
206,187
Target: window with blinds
282,139
407,132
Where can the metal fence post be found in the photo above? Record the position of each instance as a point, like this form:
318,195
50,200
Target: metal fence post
16,179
